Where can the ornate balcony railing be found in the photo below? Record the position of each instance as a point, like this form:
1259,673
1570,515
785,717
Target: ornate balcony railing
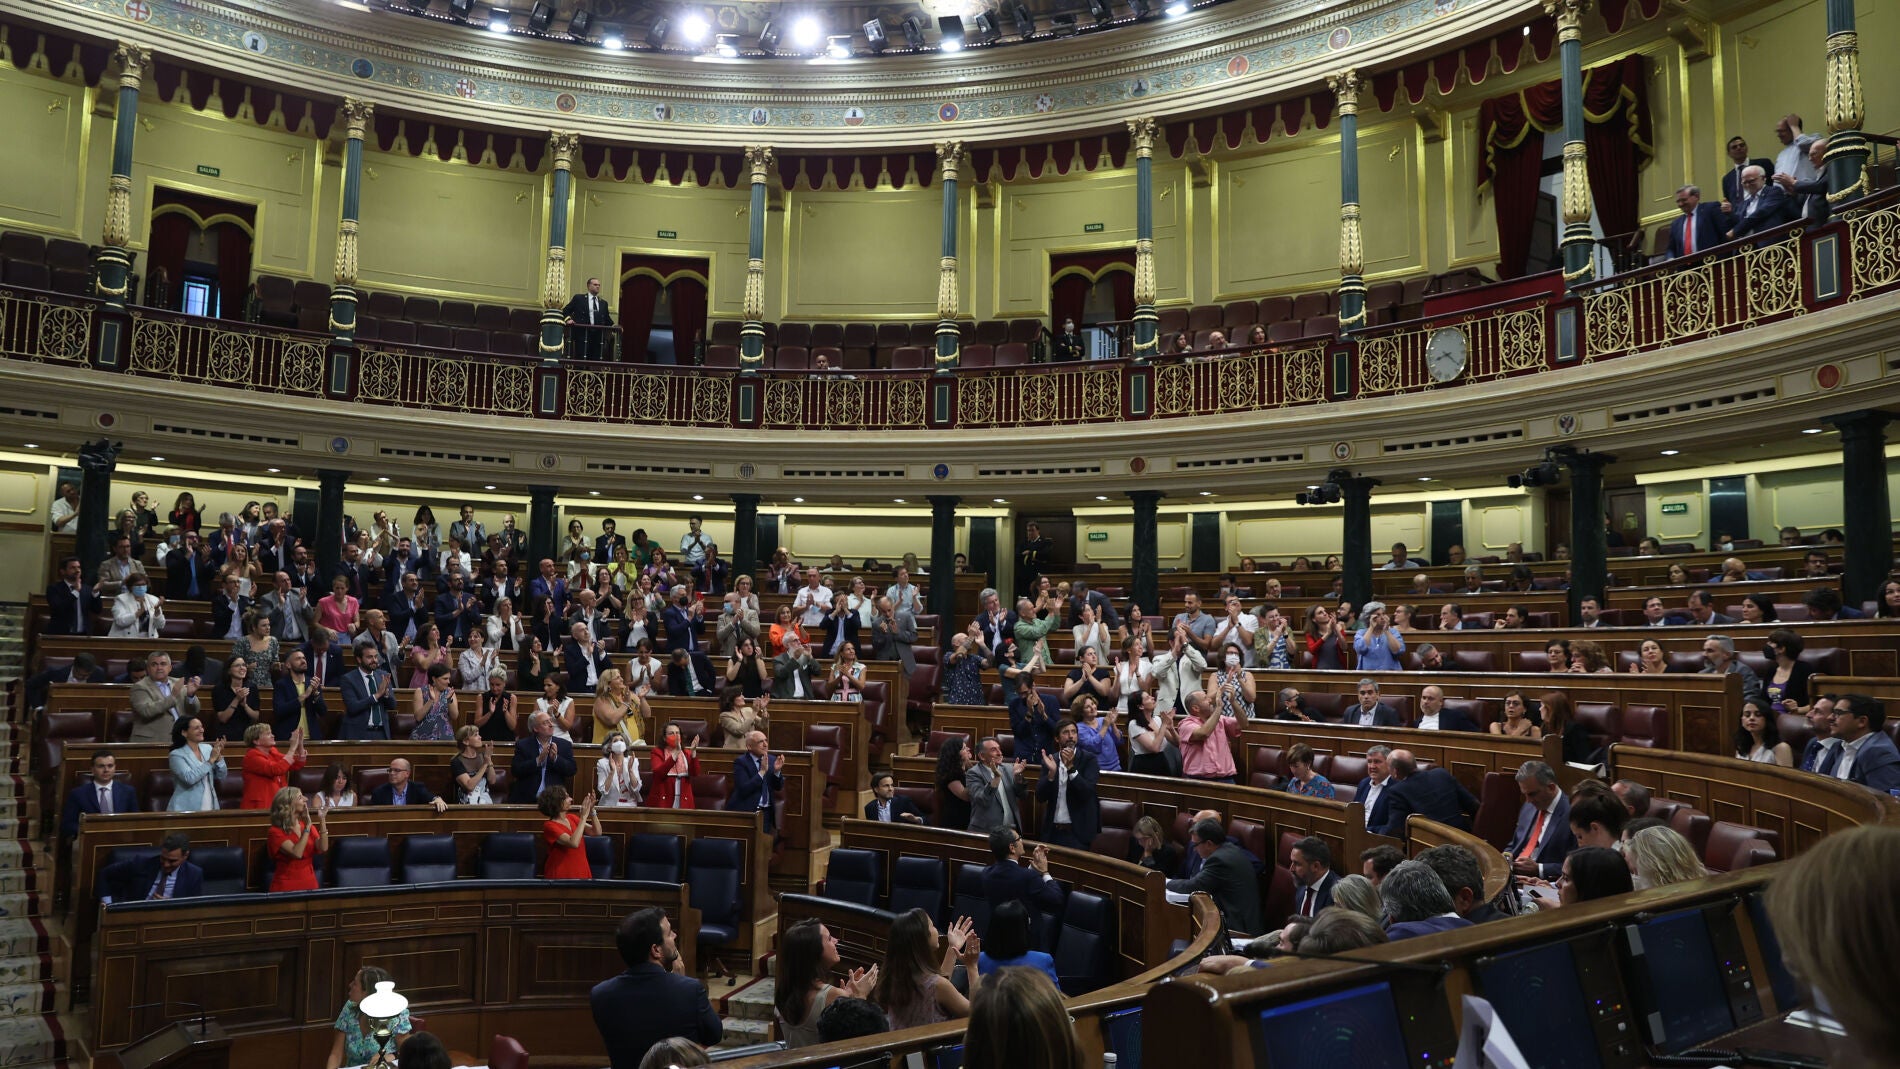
1773,276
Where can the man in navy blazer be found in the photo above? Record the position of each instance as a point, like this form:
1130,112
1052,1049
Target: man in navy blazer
1543,837
1434,715
1375,787
166,874
1699,227
654,999
549,585
541,761
1067,789
100,794
1763,206
70,603
1311,863
756,776
297,700
369,697
323,657
1371,712
888,806
1432,793
1031,885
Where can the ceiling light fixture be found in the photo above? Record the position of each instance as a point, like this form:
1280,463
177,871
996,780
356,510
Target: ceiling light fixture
579,24
612,42
694,28
1000,500
1813,430
498,22
1101,497
273,471
914,33
798,500
593,493
1670,452
540,16
159,460
382,478
727,45
807,31
32,445
1177,8
1025,19
488,486
874,35
839,46
769,37
699,497
656,33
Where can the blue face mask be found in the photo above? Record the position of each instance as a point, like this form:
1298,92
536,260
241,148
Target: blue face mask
139,591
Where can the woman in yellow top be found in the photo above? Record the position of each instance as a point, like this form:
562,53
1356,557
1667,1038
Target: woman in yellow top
618,711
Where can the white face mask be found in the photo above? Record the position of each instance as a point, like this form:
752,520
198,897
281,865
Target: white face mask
1233,660
618,746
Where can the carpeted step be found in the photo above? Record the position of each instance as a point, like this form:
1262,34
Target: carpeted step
753,1002
742,1032
27,969
27,1042
30,999
21,906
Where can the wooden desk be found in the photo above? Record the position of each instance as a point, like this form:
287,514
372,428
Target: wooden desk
475,957
469,824
1467,755
787,722
1873,646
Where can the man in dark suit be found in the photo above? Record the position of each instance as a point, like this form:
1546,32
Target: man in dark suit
1543,837
100,794
684,676
70,603
166,874
997,623
1459,871
350,567
457,612
369,697
323,657
889,806
297,699
587,314
654,999
549,584
1435,715
1081,594
402,561
841,627
893,631
755,778
1866,755
1375,787
1007,878
1226,874
1432,793
1810,197
1311,863
1032,718
406,606
541,761
1699,227
1371,712
1072,810
1763,206
402,789
83,669
190,573
228,610
1732,181
608,542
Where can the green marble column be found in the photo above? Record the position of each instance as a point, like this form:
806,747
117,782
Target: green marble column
949,340
1147,325
1846,108
113,263
1352,256
356,113
562,144
1579,246
758,160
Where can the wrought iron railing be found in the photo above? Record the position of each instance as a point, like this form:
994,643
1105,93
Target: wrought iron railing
1780,274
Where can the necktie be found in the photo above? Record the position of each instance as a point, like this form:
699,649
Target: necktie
158,889
1688,234
1306,903
375,707
1830,757
1530,841
105,799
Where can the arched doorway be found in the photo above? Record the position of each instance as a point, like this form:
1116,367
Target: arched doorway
662,307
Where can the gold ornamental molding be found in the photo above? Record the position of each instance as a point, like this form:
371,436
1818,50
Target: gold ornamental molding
131,61
1345,87
1569,15
356,114
1143,130
1222,57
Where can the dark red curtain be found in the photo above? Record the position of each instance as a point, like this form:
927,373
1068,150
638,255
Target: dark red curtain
1072,276
638,296
234,269
1123,283
1067,296
688,297
1511,151
165,251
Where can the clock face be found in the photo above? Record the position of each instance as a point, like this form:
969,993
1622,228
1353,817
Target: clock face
1445,354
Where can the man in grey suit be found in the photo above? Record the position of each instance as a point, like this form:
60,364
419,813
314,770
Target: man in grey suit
290,612
369,696
1227,874
158,700
992,786
792,670
1371,712
892,633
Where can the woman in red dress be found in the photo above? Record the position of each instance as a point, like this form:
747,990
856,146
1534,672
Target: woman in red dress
671,771
566,833
266,771
295,841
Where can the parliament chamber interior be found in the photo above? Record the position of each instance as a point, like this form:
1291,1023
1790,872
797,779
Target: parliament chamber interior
1122,512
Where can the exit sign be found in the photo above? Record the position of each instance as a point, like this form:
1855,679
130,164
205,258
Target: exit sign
208,171
1675,508
669,234
1092,228
1098,536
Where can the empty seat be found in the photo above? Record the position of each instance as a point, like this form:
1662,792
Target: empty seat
429,859
506,855
853,876
458,313
435,335
992,331
1737,846
1203,317
892,335
30,275
1012,354
796,334
223,867
1085,946
525,320
600,856
422,310
23,247
967,898
978,355
1289,330
1644,725
792,357
471,340
1239,316
713,870
508,343
722,356
1308,305
655,857
1027,331
76,281
359,861
908,358
383,305
1117,837
276,300
1321,326
399,332
924,334
918,883
826,335
491,317
1694,825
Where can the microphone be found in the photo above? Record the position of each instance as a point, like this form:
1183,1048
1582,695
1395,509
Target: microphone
202,1016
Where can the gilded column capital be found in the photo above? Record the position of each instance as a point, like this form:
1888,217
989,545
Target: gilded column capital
1352,254
356,114
132,61
564,144
948,153
1345,87
1143,129
1569,15
758,160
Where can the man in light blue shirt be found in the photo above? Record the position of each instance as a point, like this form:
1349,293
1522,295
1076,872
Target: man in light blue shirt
1378,646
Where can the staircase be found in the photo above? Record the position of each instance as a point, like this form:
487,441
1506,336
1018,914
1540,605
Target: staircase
746,1013
32,945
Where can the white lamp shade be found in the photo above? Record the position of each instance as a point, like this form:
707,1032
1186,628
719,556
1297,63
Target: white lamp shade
383,1004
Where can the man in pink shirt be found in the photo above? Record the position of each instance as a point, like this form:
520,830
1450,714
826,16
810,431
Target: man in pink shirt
1207,748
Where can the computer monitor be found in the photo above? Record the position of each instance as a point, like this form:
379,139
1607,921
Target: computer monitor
1789,994
944,1057
1537,997
1357,1026
1121,1031
1678,987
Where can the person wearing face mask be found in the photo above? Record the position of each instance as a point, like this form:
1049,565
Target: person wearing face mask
1232,686
137,612
617,775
